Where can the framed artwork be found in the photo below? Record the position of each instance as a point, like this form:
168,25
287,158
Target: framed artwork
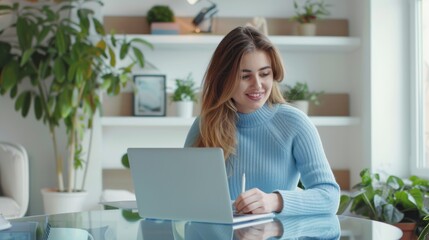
150,96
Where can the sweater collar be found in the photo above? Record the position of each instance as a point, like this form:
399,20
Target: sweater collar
258,117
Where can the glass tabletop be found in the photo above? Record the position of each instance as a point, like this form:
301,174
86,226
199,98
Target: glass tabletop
124,224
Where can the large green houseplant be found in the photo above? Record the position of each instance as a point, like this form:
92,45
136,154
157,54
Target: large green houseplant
60,62
393,200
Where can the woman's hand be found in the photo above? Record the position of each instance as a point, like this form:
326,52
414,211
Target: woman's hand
256,201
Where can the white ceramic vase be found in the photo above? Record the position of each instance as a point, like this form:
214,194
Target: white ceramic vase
301,105
184,109
62,202
307,29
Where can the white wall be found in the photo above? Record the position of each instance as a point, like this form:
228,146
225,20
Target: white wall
390,88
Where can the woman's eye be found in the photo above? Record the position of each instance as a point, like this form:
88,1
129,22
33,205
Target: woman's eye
265,74
245,77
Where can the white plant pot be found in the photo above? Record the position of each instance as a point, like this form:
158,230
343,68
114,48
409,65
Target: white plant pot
184,109
62,202
307,29
301,105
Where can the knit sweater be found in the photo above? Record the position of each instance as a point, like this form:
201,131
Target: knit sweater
276,147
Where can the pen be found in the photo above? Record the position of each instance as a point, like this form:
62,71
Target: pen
243,183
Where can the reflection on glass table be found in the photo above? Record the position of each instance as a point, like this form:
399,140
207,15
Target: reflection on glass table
121,224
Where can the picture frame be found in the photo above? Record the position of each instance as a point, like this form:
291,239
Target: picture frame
150,95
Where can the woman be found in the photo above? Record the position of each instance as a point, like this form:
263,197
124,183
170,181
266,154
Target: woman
274,144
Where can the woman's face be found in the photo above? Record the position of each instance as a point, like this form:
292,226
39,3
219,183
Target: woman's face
256,82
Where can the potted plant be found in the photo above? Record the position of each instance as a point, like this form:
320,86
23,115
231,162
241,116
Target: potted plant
300,96
59,67
394,200
184,96
161,20
307,14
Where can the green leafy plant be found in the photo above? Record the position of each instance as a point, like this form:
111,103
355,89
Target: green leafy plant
392,201
310,11
160,13
300,91
185,90
425,230
60,62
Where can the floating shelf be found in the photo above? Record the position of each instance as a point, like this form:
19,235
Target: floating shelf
290,43
187,122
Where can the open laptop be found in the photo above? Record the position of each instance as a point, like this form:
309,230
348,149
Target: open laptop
183,184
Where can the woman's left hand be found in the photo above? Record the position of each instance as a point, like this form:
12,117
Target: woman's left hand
256,201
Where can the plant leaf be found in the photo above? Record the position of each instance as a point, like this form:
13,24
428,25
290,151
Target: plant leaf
344,203
60,41
24,33
38,110
26,104
9,75
142,41
59,70
27,54
5,55
112,57
124,50
19,101
98,27
139,55
391,214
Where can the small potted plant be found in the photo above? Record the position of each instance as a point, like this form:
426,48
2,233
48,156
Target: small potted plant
184,96
161,20
307,14
300,96
395,200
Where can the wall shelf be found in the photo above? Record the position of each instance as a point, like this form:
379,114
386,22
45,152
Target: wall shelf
187,122
290,43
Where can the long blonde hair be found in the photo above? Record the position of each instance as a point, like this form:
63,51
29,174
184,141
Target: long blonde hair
218,111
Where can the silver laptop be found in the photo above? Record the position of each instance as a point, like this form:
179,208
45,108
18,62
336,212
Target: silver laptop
183,184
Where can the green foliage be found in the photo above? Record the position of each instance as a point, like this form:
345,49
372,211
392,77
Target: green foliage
392,201
425,230
124,160
300,91
160,13
185,90
310,11
67,61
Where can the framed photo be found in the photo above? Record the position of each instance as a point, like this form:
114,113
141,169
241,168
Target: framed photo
150,97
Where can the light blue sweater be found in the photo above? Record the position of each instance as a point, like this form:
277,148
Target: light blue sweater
277,146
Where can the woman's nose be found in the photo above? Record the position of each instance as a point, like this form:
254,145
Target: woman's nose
257,82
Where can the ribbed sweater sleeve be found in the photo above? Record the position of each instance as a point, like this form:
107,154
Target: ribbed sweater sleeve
276,147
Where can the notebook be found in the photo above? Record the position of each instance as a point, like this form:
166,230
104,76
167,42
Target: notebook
183,184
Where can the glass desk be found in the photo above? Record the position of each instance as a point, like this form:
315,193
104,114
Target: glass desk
122,224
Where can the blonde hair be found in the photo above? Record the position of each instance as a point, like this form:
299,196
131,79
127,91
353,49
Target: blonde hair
218,111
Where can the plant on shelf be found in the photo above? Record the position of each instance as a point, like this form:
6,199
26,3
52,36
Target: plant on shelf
299,95
393,201
161,20
308,13
185,90
60,62
160,13
184,96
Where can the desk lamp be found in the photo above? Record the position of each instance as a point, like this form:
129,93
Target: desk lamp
204,19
